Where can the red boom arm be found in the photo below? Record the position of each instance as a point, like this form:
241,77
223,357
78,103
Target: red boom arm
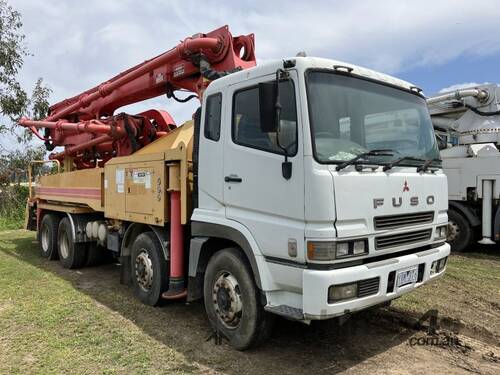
86,125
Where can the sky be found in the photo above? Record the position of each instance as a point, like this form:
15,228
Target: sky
433,44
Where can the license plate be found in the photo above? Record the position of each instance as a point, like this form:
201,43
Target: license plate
408,276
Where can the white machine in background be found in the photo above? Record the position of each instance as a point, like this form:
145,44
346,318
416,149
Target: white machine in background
467,123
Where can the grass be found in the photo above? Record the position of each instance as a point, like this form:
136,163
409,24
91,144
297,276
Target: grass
48,326
59,321
8,223
469,292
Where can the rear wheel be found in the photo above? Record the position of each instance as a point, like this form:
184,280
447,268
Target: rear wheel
232,300
71,254
459,231
47,236
149,269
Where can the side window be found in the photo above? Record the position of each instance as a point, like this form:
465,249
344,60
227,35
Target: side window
212,117
246,129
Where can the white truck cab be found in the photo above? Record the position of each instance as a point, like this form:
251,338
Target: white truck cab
467,123
341,207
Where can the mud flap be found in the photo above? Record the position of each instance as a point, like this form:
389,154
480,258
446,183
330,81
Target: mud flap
125,270
30,217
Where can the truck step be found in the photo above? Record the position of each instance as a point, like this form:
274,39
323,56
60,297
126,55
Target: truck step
286,311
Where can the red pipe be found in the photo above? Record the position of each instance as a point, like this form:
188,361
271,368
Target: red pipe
80,127
176,237
105,89
105,147
82,146
176,283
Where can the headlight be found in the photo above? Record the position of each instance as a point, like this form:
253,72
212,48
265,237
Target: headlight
359,247
330,250
342,292
441,232
342,249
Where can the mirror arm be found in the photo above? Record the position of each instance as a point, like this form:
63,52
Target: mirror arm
286,166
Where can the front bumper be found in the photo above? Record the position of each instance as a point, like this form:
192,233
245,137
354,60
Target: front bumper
317,282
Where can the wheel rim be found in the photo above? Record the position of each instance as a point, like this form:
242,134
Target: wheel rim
453,231
45,238
144,270
226,297
64,245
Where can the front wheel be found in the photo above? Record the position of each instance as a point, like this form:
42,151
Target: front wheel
232,300
459,231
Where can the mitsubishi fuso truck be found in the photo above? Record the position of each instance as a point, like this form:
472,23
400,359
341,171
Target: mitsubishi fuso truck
302,187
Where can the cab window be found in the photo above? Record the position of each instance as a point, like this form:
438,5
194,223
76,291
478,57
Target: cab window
246,130
212,117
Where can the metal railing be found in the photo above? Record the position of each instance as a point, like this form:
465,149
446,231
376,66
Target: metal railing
30,172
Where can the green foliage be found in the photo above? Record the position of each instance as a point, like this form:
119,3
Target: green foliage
14,165
12,204
14,185
40,100
14,104
14,101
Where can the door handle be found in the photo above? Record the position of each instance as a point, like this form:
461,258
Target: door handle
232,178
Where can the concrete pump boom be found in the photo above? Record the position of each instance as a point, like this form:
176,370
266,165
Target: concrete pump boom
90,131
467,122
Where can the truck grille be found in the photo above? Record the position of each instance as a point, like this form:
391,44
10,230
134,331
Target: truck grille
368,287
400,239
403,220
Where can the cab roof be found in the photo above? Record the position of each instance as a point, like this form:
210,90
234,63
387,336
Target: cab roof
304,63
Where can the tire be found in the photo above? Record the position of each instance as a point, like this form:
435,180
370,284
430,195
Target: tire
149,269
47,236
232,300
71,254
460,233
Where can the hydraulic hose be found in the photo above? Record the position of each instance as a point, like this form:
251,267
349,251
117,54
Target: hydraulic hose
481,113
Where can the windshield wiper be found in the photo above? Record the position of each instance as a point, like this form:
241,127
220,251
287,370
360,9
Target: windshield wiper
422,168
399,160
387,152
426,165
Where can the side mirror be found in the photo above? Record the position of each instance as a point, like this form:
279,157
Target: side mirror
268,92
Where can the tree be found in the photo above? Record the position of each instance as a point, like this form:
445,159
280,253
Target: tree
14,101
14,165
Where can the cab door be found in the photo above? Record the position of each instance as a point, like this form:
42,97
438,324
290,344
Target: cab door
256,194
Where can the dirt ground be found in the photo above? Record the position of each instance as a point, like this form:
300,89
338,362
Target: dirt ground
175,334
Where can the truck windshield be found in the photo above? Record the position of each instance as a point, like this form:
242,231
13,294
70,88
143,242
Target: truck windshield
350,116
